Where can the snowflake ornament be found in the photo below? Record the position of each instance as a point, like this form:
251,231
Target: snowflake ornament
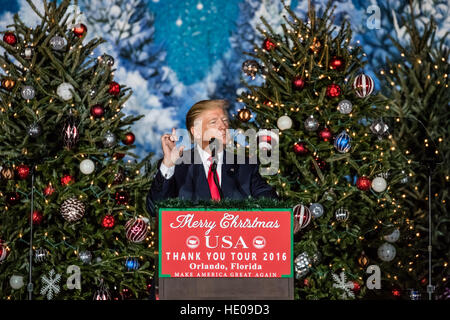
50,284
341,282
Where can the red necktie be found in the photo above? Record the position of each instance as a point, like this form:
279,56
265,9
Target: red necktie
215,195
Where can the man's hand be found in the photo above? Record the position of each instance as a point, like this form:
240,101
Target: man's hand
171,152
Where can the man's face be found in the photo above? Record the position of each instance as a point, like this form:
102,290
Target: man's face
209,124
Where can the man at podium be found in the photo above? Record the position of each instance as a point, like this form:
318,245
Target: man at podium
207,171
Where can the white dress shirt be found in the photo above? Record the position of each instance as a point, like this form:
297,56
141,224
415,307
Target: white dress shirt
168,172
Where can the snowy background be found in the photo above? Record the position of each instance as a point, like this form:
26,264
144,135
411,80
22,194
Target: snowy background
173,53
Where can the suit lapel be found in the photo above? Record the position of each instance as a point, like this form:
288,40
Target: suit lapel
200,182
228,171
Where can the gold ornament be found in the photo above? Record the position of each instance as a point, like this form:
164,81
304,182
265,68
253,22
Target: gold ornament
244,115
363,260
8,83
7,173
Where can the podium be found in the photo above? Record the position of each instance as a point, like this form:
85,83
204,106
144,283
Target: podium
220,253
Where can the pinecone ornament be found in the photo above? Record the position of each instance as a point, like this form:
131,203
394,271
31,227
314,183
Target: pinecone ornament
72,209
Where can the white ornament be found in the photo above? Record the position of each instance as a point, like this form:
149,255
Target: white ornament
379,184
386,252
74,281
284,122
373,281
64,91
393,236
87,166
16,282
341,282
50,284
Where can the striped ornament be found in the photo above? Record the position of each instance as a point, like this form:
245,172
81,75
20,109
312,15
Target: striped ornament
363,85
136,230
302,217
342,142
3,251
341,214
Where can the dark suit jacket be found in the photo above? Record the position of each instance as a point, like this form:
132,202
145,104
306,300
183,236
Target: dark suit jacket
239,181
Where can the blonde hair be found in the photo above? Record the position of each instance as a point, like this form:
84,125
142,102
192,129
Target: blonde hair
197,109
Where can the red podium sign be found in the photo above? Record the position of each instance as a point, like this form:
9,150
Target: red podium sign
225,243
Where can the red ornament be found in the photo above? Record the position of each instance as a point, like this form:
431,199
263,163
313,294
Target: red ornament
337,63
136,230
325,134
37,217
23,171
10,38
269,44
298,83
363,183
300,148
48,190
79,30
97,111
356,286
4,251
108,221
114,88
129,138
122,197
306,283
396,293
67,179
333,90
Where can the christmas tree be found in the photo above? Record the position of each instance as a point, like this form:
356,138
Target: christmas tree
417,85
73,219
336,156
129,29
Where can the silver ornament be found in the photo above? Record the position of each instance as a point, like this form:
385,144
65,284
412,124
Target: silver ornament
16,282
284,122
85,256
28,92
92,93
386,252
109,140
107,59
316,210
405,178
28,51
345,107
72,209
341,214
34,130
379,128
311,124
40,255
64,91
302,265
57,43
392,237
250,68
